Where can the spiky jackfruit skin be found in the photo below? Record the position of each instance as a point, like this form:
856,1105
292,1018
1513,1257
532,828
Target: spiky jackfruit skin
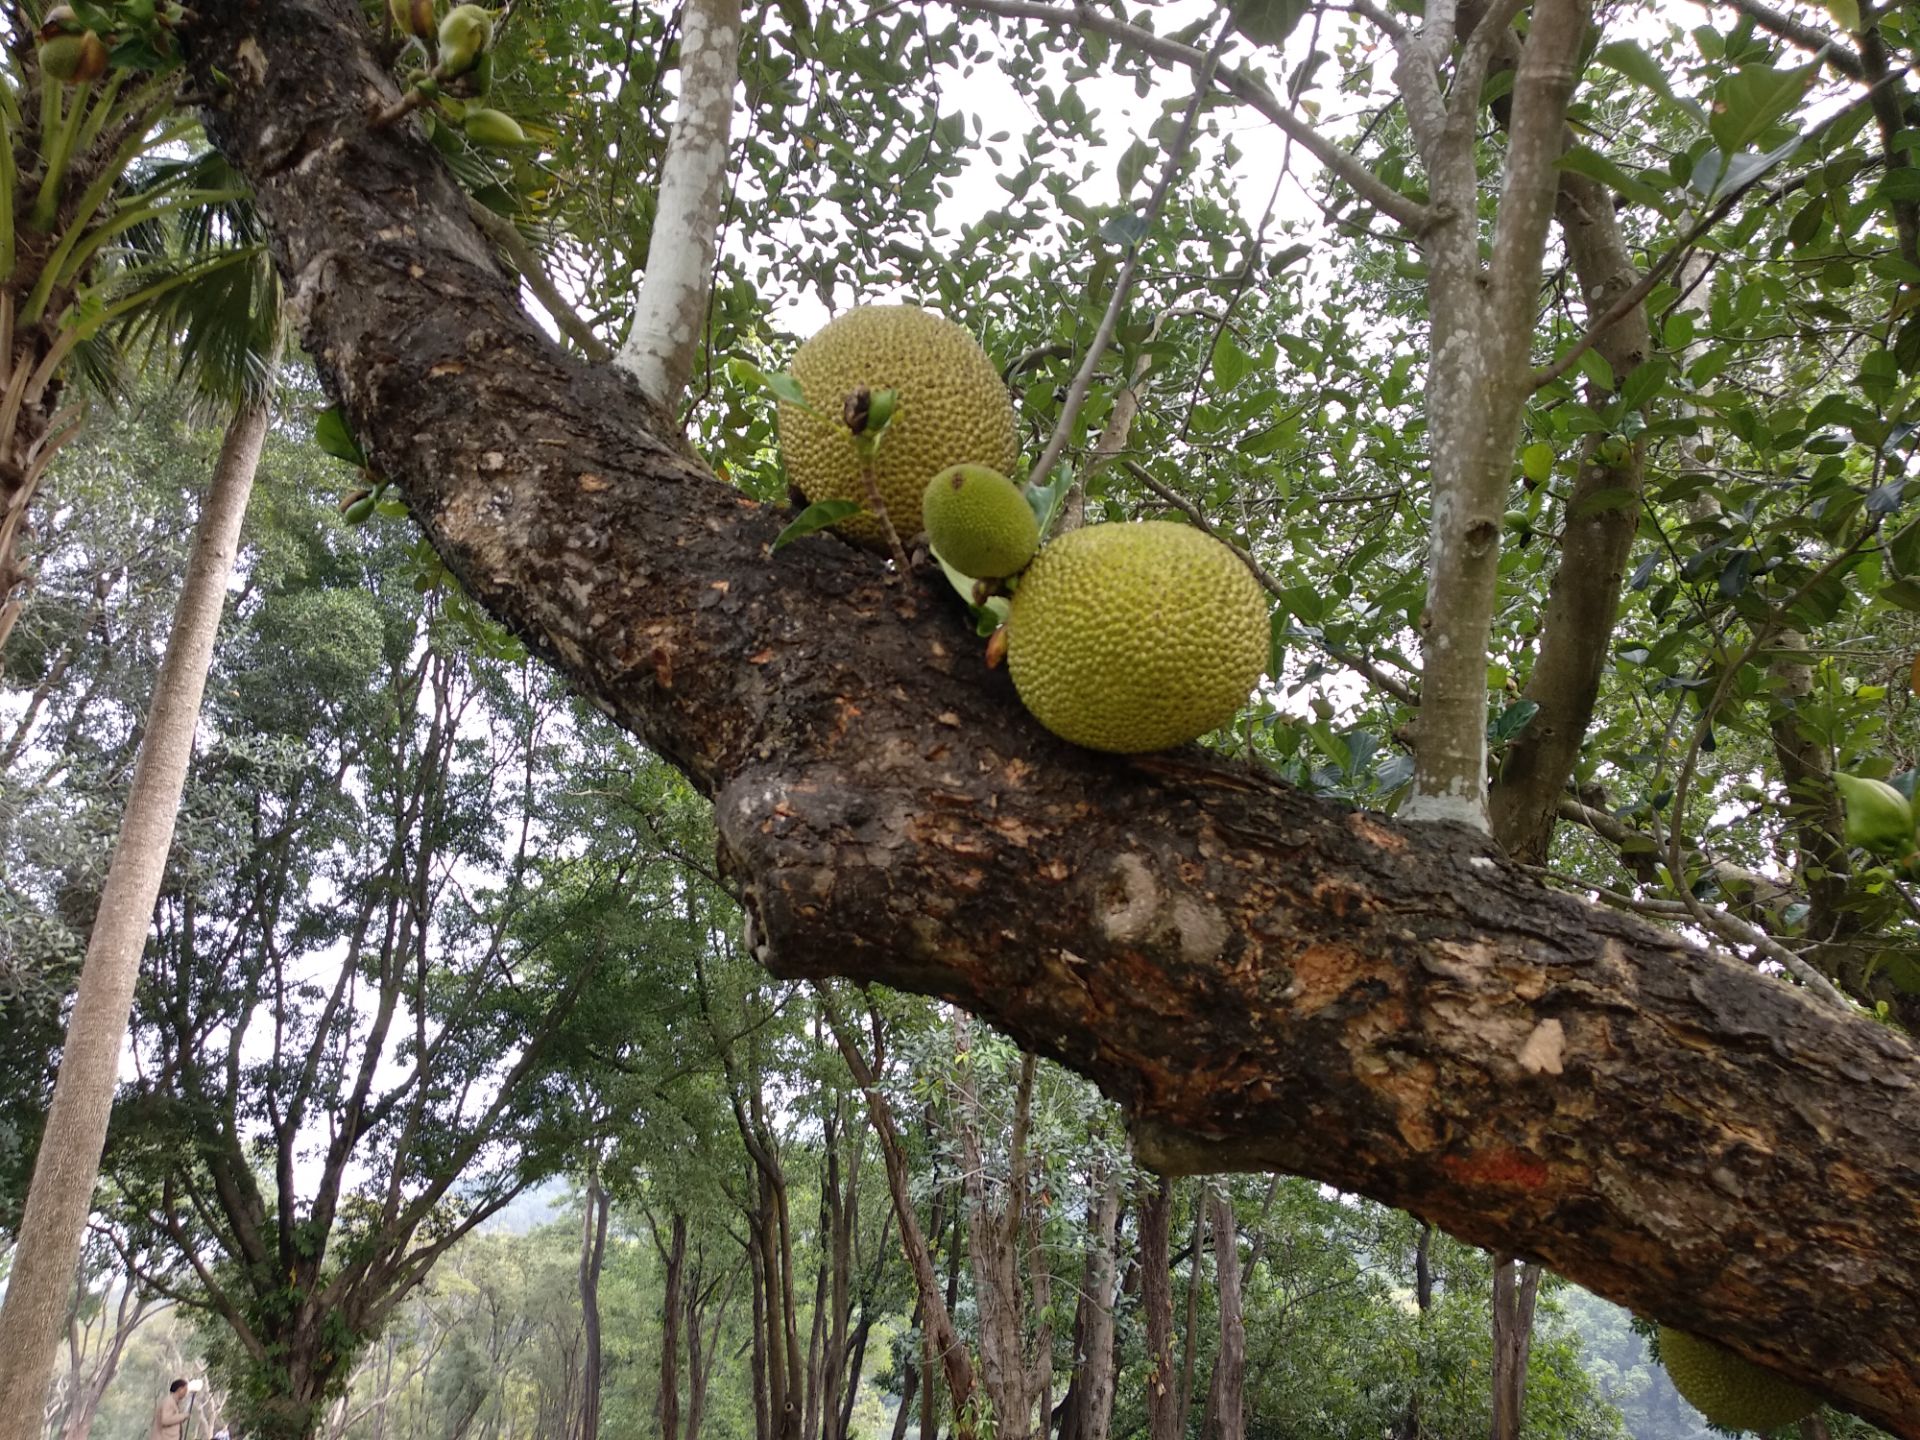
1733,1393
1135,637
979,522
953,409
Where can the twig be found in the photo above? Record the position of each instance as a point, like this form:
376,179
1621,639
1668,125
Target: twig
1247,88
1728,927
414,98
504,233
1123,282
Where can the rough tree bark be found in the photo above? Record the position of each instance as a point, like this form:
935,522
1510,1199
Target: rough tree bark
1516,1286
68,1163
673,1257
1260,979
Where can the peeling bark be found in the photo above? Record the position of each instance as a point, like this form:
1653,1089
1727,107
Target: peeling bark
1260,978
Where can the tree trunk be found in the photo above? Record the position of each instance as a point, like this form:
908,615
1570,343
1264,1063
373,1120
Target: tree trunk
1516,1285
942,1340
1226,1398
69,1157
1156,1299
673,1255
1262,980
1096,1288
593,1254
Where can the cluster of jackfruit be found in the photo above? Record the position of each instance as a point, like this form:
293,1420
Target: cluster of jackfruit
1126,637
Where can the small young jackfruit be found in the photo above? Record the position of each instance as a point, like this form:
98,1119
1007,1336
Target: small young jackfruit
465,33
1732,1392
494,128
74,59
1879,817
979,522
951,409
1136,637
412,17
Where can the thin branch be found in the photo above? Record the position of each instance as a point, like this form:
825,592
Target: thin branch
669,316
1797,33
1123,283
504,233
1243,86
1730,928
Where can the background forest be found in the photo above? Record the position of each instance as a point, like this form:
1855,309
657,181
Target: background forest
455,1094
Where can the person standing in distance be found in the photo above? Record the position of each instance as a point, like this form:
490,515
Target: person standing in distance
170,1413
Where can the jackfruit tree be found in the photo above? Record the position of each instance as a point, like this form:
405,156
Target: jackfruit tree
1696,1098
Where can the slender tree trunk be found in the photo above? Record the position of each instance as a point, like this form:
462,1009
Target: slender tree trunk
1516,1285
943,1344
1191,1329
762,1405
1156,1298
593,1255
69,1158
668,1408
1411,1426
1086,1412
1227,1397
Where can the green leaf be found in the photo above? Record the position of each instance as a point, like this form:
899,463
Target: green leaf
1278,627
784,387
817,516
330,432
1904,593
1631,61
1536,461
1595,166
1752,100
1646,381
1845,13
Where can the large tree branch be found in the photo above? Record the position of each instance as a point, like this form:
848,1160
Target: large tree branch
1261,978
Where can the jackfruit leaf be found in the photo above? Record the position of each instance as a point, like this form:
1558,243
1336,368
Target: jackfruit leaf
785,388
330,432
1536,461
817,516
1279,626
1047,499
1512,720
1751,101
987,618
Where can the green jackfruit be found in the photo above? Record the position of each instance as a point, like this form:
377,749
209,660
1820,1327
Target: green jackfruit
1136,637
952,409
979,522
1732,1392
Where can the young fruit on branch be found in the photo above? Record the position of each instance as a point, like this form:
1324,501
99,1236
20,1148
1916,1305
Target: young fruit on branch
464,35
493,128
979,522
413,17
1135,637
74,59
1733,1393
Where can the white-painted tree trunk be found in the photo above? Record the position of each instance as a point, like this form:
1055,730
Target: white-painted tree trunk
670,315
68,1163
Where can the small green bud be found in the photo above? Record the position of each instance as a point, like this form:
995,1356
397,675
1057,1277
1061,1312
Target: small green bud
465,34
1879,817
493,128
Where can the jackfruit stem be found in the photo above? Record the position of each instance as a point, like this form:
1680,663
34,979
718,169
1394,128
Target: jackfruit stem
879,506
